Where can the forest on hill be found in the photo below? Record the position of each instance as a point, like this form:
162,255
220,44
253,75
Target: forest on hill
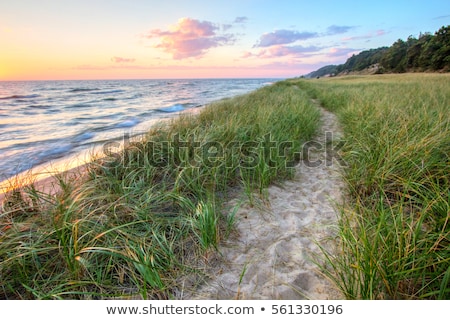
428,52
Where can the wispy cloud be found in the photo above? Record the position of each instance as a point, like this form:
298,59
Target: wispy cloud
279,37
87,67
190,38
370,35
332,30
283,43
283,51
122,60
341,52
240,20
442,17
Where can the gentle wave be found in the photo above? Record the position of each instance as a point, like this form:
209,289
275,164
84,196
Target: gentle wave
78,106
127,123
25,145
174,108
83,89
40,106
56,152
108,92
83,136
18,96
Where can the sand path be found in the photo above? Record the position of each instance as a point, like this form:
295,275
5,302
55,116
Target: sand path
271,256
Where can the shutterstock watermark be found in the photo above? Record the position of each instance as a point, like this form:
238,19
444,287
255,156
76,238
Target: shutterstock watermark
191,151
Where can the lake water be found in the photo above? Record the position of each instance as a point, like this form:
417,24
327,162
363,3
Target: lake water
42,121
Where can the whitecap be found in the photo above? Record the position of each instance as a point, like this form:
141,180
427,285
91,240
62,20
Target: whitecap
127,123
173,108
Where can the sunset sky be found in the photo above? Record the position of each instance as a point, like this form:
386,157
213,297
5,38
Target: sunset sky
148,39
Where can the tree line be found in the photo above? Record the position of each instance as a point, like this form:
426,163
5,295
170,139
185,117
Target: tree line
428,52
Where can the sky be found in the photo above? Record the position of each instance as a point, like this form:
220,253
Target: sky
149,39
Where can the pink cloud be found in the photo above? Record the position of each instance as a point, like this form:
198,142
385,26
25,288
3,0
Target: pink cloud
190,38
340,52
277,51
122,60
247,54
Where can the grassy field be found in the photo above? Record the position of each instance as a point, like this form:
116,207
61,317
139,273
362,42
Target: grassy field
147,218
395,230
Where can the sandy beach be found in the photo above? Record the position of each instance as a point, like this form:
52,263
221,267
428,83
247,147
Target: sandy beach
272,255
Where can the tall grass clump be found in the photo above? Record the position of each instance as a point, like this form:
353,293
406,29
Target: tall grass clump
140,221
395,230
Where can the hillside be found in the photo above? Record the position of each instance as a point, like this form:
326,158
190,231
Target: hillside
426,53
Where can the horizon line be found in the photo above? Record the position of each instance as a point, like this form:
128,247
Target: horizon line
131,79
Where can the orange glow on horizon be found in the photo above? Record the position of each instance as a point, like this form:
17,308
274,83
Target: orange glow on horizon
53,61
3,72
32,72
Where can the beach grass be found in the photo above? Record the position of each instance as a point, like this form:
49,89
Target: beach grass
394,230
147,215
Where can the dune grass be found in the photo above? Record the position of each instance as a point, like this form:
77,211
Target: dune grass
395,230
145,219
